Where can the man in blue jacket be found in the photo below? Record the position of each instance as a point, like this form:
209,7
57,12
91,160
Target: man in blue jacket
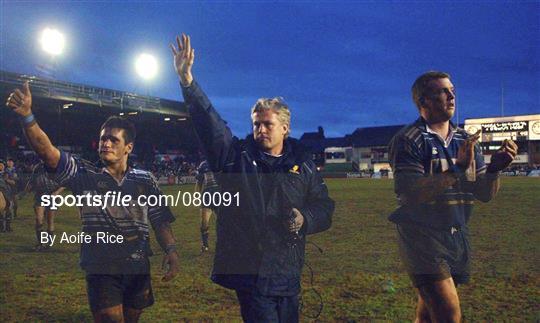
281,198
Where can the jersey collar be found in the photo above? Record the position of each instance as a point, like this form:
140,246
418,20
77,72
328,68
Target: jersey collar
446,141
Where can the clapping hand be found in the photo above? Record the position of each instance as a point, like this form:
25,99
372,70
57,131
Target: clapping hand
504,156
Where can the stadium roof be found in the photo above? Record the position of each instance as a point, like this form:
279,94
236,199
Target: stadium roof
69,92
374,136
527,117
312,136
318,135
361,137
318,145
338,142
71,114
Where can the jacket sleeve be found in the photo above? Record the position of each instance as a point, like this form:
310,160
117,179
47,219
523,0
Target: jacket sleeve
319,207
213,132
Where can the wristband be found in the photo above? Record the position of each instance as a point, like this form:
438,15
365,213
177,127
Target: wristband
28,120
170,248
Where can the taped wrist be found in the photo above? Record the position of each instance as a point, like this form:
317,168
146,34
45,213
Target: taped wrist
28,120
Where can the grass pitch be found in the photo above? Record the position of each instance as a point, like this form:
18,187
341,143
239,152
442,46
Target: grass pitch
358,274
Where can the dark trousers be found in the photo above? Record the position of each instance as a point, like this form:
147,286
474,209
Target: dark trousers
260,308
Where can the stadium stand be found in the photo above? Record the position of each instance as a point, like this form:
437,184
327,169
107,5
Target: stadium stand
72,112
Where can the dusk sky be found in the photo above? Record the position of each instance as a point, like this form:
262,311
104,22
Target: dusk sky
340,65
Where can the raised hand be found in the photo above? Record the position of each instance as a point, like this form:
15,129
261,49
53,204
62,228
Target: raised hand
504,156
21,101
465,155
184,56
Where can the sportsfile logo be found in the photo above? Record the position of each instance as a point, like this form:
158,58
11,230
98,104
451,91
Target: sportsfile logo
117,199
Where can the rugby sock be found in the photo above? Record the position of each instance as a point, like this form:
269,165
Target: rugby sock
204,237
6,225
38,236
39,229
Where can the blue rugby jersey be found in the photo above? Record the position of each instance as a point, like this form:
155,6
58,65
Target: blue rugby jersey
205,177
41,183
11,173
201,170
4,186
82,177
414,152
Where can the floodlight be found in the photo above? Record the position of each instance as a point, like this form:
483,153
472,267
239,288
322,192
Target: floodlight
146,66
52,41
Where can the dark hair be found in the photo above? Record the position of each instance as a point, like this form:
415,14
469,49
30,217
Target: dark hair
421,85
121,123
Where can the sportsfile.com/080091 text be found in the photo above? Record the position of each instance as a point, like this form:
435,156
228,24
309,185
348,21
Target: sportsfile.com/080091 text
110,198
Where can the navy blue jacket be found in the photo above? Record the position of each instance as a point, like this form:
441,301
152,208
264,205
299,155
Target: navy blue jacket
253,247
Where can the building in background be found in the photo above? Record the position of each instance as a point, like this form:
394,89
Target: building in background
370,147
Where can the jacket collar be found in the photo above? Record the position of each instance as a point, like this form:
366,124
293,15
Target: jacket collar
293,151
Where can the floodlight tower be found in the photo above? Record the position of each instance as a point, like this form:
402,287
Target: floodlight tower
146,67
52,42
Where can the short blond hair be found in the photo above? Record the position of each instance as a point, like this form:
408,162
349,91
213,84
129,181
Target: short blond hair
278,106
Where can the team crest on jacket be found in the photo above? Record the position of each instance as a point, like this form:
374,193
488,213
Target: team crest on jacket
295,169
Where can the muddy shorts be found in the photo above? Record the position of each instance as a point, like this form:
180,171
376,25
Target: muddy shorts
431,255
131,290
